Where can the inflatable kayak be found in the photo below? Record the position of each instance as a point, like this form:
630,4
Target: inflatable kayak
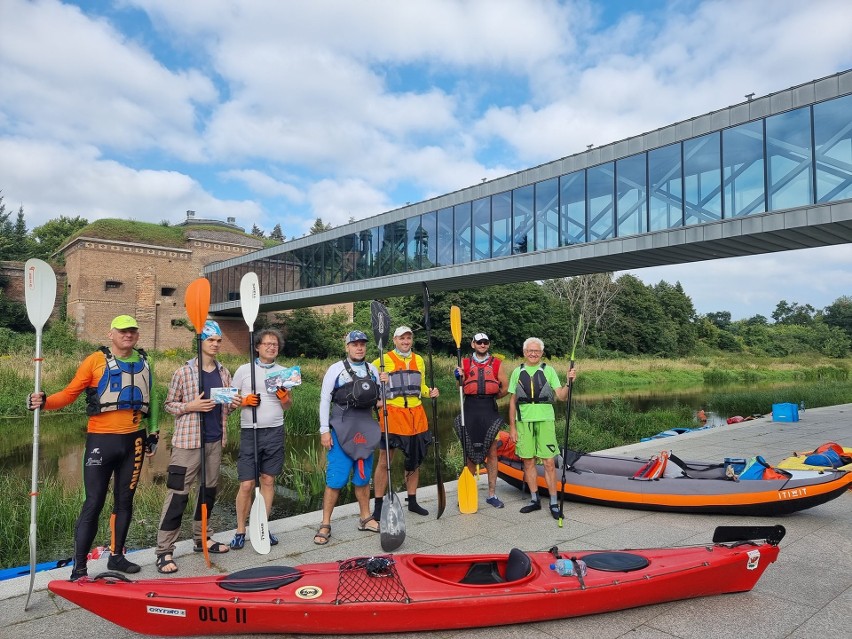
674,485
20,571
411,593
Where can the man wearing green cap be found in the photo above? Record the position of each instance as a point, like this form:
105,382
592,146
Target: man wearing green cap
119,395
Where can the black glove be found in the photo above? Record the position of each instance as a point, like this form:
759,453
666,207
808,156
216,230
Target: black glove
30,400
151,443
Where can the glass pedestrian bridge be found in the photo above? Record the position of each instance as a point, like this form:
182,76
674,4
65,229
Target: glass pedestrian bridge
770,174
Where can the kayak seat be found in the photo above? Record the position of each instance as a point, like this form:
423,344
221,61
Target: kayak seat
518,565
260,579
615,561
482,573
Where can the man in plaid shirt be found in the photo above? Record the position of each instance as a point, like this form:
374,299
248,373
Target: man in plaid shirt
195,415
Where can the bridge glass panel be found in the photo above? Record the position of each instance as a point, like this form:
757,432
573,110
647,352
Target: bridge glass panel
631,205
600,200
665,181
365,254
742,170
789,162
833,144
429,224
482,228
523,229
547,214
349,247
392,253
702,174
461,221
572,208
501,224
377,241
446,237
414,244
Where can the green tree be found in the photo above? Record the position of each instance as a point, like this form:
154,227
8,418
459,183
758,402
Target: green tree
786,313
839,314
257,231
15,243
678,307
722,319
52,234
277,234
319,226
639,324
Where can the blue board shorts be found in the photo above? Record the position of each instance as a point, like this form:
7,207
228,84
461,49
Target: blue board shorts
340,466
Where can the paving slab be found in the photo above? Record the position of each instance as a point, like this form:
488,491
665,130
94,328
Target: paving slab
807,593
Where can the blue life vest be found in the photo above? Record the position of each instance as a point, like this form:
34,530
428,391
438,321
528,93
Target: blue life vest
123,386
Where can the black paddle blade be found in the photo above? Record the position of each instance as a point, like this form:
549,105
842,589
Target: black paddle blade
392,525
381,324
772,534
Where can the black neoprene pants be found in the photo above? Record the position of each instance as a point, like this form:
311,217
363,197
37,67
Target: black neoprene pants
108,456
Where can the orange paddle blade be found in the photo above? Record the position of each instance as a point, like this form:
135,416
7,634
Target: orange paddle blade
455,325
204,530
197,302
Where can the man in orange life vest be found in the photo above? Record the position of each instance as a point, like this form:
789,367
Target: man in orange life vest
483,380
408,428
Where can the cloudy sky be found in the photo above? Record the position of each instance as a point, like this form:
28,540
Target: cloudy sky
281,112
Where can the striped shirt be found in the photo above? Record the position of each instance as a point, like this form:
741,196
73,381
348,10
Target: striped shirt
182,390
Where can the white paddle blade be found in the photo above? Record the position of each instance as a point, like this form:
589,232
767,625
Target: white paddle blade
39,291
392,525
259,525
250,298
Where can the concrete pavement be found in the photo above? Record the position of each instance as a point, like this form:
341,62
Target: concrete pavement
807,593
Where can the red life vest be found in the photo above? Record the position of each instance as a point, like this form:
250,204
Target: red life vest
481,379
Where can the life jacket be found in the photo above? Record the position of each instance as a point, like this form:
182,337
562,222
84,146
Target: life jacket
360,392
481,378
124,385
403,381
535,389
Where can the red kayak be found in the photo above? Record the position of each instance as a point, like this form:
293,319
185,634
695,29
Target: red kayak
405,593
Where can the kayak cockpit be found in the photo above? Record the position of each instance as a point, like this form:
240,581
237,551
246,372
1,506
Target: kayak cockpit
260,579
476,571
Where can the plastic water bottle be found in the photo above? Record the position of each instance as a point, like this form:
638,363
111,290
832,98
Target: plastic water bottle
565,567
802,406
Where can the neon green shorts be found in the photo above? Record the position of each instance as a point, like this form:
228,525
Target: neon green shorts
537,439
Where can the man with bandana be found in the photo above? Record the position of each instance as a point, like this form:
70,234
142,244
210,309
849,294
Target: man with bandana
407,427
263,410
197,419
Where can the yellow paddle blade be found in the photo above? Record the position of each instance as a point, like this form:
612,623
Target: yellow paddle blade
455,325
468,495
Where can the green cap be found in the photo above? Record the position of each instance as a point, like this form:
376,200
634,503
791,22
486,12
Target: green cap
122,322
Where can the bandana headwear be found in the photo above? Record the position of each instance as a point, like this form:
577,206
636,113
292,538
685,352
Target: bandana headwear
211,329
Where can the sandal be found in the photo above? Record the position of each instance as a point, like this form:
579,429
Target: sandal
216,548
364,524
322,536
166,561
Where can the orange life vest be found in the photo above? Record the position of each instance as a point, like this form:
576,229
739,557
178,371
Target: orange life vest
481,379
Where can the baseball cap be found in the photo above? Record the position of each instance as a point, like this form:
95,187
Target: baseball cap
480,336
211,329
356,336
402,330
122,322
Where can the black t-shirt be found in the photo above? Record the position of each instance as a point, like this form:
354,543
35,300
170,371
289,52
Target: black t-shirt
211,422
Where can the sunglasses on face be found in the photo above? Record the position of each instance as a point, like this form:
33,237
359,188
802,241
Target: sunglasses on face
483,341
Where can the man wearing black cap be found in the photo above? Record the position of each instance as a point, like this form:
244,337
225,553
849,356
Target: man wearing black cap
349,432
119,394
483,380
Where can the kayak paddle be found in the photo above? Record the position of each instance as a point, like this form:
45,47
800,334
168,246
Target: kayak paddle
258,517
442,495
392,520
197,302
40,296
568,403
468,497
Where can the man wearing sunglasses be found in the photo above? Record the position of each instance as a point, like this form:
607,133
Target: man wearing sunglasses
483,381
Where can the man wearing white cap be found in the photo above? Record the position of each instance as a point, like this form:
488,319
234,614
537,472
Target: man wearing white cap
199,421
408,427
483,380
119,394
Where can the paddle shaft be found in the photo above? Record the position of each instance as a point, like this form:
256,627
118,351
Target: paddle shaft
568,403
34,475
439,481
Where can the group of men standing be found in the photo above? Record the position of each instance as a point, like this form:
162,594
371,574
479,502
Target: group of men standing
120,393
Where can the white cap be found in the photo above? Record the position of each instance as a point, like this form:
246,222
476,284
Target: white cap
480,336
402,330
